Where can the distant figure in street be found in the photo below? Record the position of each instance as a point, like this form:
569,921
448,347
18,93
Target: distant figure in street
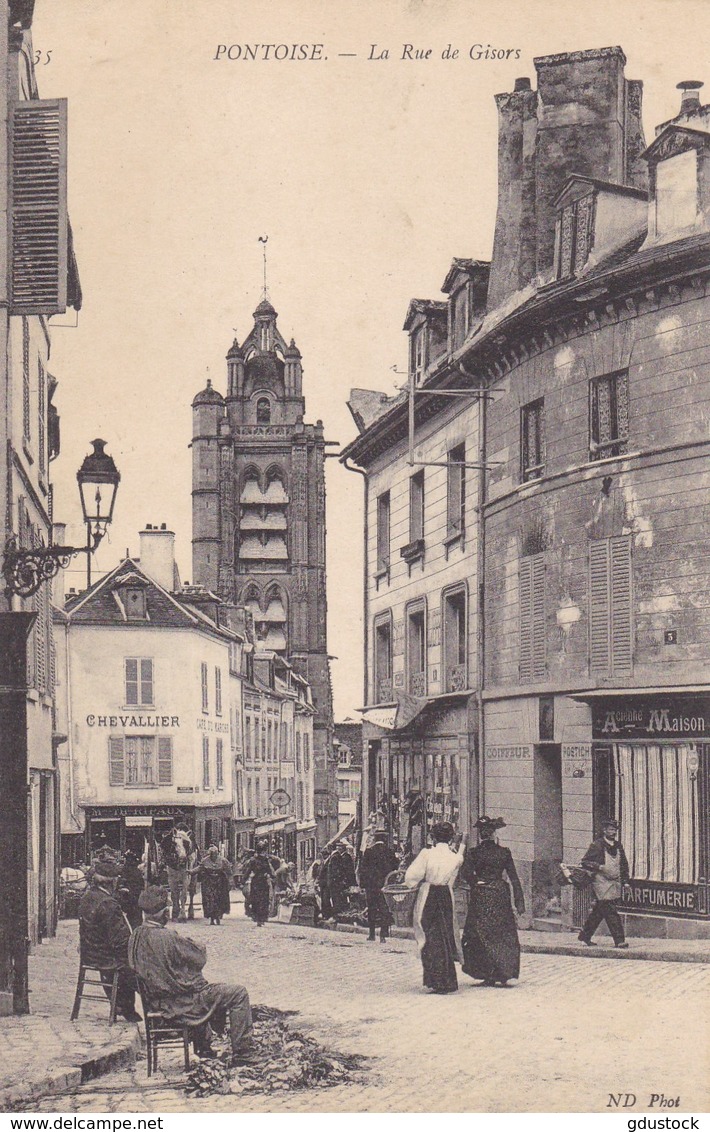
491,950
259,873
213,873
320,876
171,965
130,885
176,847
435,870
606,860
341,877
378,861
104,935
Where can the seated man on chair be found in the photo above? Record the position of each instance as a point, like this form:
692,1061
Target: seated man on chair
104,932
170,965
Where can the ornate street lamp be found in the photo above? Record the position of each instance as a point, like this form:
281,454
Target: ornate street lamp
98,479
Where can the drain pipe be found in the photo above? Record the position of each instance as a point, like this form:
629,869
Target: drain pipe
480,596
366,614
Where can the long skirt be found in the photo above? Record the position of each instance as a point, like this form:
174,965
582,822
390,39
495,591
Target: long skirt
215,895
490,936
259,899
439,950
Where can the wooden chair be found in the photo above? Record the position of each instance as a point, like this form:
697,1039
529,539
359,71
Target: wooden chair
83,981
161,1031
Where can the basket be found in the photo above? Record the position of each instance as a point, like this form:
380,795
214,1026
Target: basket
400,900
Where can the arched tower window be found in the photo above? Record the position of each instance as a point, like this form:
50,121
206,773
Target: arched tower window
263,411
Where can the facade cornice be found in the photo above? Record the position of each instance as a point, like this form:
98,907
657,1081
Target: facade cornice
558,312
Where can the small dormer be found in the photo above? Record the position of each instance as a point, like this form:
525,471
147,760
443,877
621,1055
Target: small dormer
130,595
679,171
466,285
426,324
593,219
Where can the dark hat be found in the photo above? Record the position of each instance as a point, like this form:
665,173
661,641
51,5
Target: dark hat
106,869
484,822
380,835
131,858
442,831
610,823
155,898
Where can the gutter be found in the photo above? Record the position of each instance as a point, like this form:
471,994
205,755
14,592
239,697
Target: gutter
366,615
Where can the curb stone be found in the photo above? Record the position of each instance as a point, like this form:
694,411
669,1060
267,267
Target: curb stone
69,1077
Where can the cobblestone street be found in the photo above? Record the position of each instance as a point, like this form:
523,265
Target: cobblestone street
572,1032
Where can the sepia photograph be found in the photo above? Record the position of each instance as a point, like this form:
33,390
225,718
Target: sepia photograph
355,590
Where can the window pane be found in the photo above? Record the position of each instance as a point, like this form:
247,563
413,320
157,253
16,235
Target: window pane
146,681
131,682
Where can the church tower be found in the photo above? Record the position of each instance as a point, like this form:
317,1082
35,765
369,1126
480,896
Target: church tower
258,504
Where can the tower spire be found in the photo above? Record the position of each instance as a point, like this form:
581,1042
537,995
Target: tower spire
264,240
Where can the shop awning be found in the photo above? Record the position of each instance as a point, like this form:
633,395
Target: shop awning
344,830
394,717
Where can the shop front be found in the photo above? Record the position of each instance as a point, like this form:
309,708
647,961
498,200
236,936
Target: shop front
423,772
651,771
138,828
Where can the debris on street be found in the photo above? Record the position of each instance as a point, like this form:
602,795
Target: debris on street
284,1061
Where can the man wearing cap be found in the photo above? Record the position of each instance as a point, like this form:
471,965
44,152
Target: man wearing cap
170,965
104,933
378,861
606,860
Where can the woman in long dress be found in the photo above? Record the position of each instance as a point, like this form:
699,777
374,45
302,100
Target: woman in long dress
213,873
491,950
260,873
435,870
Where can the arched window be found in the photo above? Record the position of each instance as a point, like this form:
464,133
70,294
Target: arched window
263,411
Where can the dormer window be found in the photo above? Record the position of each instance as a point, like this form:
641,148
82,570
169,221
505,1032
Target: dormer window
460,315
417,349
574,235
134,603
677,192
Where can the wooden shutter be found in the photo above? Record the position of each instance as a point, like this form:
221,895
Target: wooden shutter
131,670
621,616
165,760
538,618
599,604
146,681
39,231
116,762
532,618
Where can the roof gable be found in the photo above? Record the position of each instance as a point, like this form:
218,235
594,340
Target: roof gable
98,604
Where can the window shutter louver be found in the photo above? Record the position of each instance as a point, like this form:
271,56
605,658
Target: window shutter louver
538,618
526,619
116,762
39,235
599,601
621,622
165,760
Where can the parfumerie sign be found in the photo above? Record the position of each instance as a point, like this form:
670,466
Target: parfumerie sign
659,897
133,721
652,717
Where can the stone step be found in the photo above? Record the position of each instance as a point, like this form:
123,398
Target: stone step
548,924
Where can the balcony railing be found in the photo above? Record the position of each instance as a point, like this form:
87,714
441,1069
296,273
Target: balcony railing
417,684
456,680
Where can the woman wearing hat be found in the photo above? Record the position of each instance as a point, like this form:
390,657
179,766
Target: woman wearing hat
213,873
435,870
491,950
260,871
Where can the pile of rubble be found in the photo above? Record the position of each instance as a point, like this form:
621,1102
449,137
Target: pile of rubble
285,1061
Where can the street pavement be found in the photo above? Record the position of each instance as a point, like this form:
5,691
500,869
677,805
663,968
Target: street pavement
568,1035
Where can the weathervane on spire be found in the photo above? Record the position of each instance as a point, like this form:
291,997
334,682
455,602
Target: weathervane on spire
264,240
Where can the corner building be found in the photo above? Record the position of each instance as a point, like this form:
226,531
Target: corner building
259,518
584,503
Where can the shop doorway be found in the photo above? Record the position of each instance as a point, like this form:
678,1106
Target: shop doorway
547,832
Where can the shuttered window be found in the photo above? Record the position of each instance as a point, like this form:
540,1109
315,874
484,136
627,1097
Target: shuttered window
139,681
41,418
39,236
219,762
455,491
26,418
116,762
205,689
218,691
205,762
165,760
383,532
532,619
610,609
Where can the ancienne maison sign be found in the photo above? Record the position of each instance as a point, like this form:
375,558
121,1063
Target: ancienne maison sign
651,717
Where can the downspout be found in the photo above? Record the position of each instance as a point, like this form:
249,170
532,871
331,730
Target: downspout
480,574
366,617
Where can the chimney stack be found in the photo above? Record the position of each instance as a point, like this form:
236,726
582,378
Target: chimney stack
690,97
157,554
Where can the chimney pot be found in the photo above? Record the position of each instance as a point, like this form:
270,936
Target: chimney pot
163,526
522,84
690,96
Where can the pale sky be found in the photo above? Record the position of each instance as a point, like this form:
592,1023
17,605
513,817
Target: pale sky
368,176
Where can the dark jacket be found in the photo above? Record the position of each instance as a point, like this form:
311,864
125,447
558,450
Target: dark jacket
171,965
103,929
341,871
377,863
594,858
485,865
